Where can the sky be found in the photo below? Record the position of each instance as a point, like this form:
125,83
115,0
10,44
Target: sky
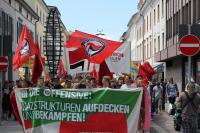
91,16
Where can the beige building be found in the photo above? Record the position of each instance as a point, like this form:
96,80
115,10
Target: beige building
41,9
13,15
147,31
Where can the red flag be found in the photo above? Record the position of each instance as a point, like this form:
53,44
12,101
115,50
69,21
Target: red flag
142,72
25,49
97,49
38,66
104,71
94,73
148,68
61,70
78,61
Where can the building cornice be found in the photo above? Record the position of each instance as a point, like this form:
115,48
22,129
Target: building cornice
28,8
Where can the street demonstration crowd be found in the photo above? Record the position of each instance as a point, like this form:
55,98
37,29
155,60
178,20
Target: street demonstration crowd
159,93
79,82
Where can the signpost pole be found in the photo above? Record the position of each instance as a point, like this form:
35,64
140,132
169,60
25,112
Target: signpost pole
189,59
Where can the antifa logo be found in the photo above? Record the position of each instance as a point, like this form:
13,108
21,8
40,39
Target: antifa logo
25,49
93,46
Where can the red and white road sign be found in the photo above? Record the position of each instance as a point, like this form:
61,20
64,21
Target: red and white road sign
3,63
189,45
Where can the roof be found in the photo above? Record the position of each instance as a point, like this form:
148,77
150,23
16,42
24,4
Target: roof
132,18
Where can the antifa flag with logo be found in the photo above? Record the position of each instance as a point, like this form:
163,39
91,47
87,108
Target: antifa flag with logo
78,62
96,49
38,66
25,49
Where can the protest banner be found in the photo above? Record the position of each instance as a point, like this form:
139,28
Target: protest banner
75,111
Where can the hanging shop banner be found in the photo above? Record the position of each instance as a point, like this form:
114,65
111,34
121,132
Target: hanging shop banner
75,111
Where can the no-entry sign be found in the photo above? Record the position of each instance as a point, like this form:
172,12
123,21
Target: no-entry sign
189,45
3,63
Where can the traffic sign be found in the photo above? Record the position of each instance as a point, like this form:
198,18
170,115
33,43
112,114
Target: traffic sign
3,63
189,45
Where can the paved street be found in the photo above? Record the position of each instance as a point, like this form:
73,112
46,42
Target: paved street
162,123
10,127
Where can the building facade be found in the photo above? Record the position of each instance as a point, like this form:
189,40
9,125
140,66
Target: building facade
42,10
177,13
147,32
13,14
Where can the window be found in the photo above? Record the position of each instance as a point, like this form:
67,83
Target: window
20,8
154,45
40,16
158,13
40,42
158,43
154,16
147,23
150,21
37,10
27,15
5,24
189,13
10,26
0,23
163,40
150,48
147,48
163,8
194,11
198,9
198,71
43,19
19,28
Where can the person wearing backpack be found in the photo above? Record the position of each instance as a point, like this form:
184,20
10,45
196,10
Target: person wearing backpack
189,102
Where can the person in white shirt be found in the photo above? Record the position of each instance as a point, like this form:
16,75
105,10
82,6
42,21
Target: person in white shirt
128,83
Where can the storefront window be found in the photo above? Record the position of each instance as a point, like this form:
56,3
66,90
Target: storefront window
187,71
198,72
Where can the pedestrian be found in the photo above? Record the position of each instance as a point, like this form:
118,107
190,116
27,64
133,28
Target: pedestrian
157,97
128,83
41,83
189,101
106,82
93,83
120,82
5,101
163,84
172,91
150,87
113,84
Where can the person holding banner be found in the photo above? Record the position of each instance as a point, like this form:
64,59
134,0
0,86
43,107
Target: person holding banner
128,83
106,82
